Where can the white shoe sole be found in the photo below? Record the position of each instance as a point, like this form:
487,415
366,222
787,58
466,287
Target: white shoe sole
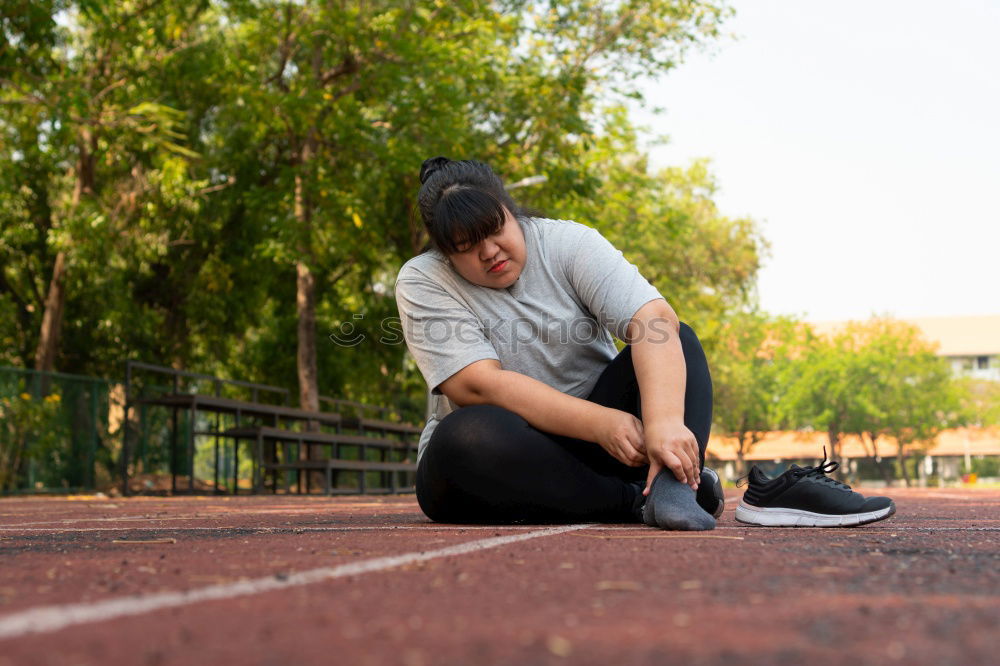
779,517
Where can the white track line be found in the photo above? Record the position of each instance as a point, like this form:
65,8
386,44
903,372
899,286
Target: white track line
212,516
264,530
47,619
433,527
861,529
69,521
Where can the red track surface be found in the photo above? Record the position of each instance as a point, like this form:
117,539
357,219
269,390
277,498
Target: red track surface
920,588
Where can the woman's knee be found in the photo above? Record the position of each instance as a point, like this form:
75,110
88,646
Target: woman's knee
477,433
468,446
688,336
694,353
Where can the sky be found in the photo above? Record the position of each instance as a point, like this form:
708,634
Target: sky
864,137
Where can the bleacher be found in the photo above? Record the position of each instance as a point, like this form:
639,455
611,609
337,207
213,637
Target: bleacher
356,449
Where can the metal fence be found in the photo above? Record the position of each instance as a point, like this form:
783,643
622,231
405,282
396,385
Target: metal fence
58,432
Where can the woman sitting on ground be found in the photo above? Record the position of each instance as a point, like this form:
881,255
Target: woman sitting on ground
536,415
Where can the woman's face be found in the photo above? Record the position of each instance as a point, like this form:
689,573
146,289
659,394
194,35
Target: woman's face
497,260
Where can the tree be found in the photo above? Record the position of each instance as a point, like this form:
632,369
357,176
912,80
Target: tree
348,99
198,168
704,263
877,378
918,397
980,401
883,343
751,351
95,151
820,389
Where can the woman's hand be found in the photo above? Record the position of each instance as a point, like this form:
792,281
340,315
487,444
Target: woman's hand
670,444
620,434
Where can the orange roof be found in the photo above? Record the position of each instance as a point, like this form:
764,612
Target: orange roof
957,336
793,445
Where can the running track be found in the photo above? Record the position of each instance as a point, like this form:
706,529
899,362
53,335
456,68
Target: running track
308,580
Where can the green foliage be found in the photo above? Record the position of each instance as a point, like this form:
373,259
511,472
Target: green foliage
704,263
985,466
980,401
98,165
911,395
754,352
877,378
31,430
185,156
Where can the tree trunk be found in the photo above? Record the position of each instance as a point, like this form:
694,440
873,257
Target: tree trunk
740,456
307,368
882,469
48,340
305,302
85,172
902,466
10,459
833,435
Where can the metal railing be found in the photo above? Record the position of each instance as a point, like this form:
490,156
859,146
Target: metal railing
183,381
150,440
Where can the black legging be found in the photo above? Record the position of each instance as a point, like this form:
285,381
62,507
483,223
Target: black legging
486,464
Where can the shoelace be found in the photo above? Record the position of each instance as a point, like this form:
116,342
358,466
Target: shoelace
821,470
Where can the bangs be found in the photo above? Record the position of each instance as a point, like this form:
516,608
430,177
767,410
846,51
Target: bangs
465,215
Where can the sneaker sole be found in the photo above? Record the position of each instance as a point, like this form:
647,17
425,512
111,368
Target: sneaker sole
780,517
720,508
718,495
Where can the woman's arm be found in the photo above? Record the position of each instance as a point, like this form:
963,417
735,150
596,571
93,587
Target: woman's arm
549,410
662,374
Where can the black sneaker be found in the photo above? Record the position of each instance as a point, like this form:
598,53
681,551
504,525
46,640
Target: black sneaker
710,496
807,497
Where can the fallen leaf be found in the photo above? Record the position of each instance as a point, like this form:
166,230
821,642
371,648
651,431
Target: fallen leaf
197,578
559,646
620,585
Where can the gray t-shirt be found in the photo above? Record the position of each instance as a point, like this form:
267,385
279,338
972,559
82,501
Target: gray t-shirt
554,323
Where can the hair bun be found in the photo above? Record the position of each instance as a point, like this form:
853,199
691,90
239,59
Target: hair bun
430,166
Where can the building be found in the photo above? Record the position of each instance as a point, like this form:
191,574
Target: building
971,344
952,453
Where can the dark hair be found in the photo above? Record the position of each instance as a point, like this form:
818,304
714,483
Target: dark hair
462,202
